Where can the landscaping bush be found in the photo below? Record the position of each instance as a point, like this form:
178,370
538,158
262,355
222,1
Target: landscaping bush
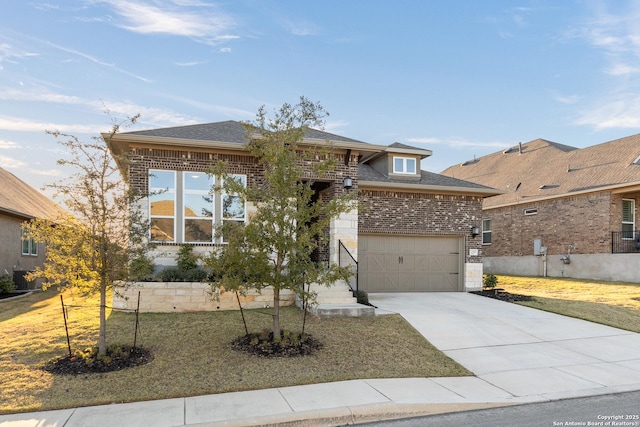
489,281
362,297
187,260
6,284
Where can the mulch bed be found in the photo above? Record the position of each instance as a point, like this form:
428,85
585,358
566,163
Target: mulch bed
263,345
79,363
502,295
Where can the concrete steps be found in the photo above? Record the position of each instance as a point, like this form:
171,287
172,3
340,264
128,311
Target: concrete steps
337,301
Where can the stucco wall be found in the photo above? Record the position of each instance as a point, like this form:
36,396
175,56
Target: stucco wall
609,267
11,257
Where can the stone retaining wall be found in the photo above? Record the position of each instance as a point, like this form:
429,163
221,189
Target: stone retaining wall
180,297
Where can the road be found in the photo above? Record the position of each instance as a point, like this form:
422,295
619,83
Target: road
607,410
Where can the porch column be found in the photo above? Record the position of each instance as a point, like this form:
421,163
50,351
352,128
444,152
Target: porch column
343,229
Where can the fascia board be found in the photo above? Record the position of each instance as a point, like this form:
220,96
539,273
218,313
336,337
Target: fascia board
439,189
614,189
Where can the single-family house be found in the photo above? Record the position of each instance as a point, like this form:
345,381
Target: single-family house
413,230
564,211
19,203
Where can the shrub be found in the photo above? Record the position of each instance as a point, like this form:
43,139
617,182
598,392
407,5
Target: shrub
187,260
172,274
6,284
362,297
141,268
489,281
175,274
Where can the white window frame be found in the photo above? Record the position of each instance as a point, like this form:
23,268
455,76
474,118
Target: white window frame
531,211
159,190
487,232
29,244
405,161
629,234
179,217
224,194
184,217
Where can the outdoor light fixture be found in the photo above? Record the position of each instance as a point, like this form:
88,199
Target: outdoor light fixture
347,183
475,231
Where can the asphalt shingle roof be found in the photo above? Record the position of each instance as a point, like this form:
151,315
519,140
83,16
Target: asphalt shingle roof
229,131
19,198
367,173
547,169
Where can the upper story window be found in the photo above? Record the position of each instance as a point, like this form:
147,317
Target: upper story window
184,207
29,246
628,218
486,231
406,165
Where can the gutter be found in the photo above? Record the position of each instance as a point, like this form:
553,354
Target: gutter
485,192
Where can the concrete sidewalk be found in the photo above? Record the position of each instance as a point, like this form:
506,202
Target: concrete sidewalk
518,355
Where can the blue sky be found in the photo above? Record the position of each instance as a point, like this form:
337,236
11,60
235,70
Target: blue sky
461,78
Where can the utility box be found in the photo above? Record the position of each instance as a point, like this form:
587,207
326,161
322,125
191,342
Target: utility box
537,247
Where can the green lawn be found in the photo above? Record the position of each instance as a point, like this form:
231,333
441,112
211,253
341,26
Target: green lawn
192,353
615,304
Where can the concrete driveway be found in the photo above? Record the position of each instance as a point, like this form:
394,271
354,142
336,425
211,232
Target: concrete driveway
526,352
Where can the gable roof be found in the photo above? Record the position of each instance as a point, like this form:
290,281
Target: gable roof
20,200
545,169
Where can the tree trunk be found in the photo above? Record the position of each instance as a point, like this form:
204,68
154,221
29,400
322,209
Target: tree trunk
276,314
102,334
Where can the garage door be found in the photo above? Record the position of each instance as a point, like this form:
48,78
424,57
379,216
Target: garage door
409,263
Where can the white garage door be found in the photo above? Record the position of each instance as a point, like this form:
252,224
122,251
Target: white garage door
409,263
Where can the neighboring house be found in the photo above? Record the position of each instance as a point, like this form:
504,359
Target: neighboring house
411,232
19,203
565,211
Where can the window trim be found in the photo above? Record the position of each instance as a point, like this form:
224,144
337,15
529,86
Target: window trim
531,211
159,190
404,165
631,222
487,232
179,217
31,245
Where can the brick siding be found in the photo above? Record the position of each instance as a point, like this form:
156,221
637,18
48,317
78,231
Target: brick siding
395,212
584,221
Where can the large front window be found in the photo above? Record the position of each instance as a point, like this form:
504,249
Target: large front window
183,206
628,218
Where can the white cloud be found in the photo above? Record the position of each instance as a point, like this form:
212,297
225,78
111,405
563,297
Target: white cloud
10,53
26,125
6,145
11,163
565,99
460,143
621,69
335,126
189,64
98,61
622,111
198,20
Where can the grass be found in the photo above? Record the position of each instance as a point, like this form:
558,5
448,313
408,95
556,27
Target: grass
615,304
192,353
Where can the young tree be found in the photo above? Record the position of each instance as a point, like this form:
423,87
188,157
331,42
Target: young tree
275,247
91,248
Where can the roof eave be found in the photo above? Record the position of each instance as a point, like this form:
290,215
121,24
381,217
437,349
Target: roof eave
440,189
614,189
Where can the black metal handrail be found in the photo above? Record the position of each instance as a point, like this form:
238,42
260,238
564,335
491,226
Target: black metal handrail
624,242
351,261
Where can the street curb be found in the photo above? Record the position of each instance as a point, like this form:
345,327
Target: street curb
350,415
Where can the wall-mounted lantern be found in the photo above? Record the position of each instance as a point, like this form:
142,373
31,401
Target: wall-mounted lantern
475,231
347,183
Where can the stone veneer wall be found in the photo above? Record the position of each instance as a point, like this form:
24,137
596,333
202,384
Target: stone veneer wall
179,297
